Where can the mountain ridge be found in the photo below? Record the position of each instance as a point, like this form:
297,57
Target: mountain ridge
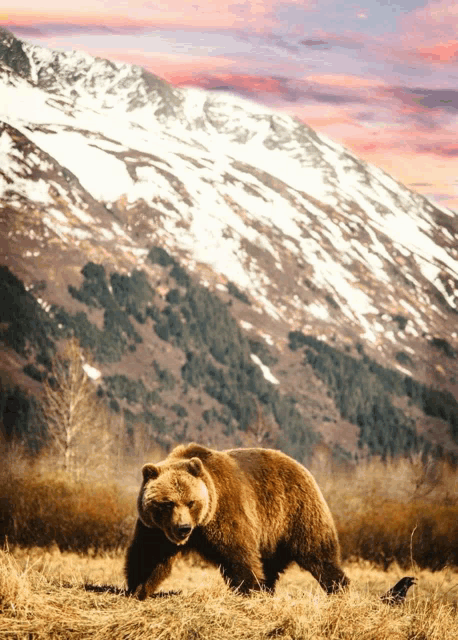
243,198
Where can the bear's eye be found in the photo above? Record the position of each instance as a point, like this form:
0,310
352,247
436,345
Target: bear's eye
191,503
167,504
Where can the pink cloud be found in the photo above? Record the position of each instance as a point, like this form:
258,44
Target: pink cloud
344,80
430,33
432,21
423,158
244,82
197,13
441,52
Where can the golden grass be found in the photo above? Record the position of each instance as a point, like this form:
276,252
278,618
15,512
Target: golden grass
42,595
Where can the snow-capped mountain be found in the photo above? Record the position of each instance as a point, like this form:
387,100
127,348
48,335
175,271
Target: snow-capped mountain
100,161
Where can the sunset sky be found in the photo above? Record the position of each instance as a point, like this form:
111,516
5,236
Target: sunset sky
380,76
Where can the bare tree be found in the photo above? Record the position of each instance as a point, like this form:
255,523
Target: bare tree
261,427
77,421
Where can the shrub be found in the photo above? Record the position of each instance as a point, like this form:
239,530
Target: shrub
180,275
22,419
24,324
120,386
173,296
33,371
398,532
94,290
444,346
403,358
401,321
165,376
158,255
179,410
235,291
46,509
400,511
133,293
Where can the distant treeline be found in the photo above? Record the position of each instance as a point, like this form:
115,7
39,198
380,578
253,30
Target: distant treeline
218,362
193,319
218,358
196,321
21,419
362,390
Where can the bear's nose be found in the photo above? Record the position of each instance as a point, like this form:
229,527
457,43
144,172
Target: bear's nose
184,529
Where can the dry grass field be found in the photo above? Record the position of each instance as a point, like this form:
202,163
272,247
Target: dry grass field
55,595
61,577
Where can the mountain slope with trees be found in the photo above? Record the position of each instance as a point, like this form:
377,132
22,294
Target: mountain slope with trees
235,277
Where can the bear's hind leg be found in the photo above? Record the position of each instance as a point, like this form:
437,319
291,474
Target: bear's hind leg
323,562
273,567
330,576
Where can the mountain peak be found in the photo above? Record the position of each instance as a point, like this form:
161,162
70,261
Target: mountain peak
112,160
12,53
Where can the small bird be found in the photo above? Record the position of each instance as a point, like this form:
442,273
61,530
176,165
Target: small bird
397,594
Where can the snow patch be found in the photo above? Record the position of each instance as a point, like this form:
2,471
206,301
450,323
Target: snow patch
318,310
266,372
91,371
244,200
267,338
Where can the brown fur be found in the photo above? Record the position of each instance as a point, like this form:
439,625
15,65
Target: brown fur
252,512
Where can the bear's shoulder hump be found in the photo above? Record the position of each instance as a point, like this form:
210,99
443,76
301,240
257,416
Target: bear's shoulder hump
192,450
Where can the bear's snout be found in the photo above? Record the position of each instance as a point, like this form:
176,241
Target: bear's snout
182,531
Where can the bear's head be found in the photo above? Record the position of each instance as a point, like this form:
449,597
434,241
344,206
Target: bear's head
175,497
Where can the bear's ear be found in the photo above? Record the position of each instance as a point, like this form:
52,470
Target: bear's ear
195,467
150,472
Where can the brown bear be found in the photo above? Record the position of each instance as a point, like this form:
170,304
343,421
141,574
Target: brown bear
251,512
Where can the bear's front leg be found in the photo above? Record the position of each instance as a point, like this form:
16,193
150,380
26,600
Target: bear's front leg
243,571
148,560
